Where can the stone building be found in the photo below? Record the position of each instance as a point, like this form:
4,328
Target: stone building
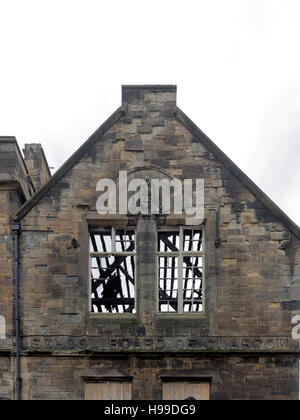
137,306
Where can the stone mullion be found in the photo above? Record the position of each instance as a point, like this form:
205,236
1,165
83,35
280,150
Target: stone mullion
180,272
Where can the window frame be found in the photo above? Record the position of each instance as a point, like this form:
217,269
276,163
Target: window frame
108,381
188,380
181,253
112,253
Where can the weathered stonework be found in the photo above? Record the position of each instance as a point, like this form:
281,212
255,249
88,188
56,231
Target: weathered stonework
242,341
37,165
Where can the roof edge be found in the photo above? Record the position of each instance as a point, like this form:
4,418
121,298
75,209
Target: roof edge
46,161
63,170
13,140
8,139
162,88
42,153
183,119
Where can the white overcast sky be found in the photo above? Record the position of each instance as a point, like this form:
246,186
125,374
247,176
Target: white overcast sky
236,64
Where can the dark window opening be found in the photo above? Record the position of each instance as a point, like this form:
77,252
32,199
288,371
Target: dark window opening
112,256
180,265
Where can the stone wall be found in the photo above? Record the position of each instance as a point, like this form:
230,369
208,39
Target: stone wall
232,378
6,377
15,187
252,279
13,169
36,164
248,279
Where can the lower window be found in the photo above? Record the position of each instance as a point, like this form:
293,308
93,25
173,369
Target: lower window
108,390
186,390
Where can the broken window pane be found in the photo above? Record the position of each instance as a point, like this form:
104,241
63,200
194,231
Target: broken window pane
101,242
112,270
168,284
168,241
192,240
192,284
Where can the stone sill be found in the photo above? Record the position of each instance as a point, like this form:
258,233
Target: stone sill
198,316
117,317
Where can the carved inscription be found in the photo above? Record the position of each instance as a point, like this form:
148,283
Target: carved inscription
160,344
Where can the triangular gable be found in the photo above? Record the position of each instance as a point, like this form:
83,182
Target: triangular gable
198,134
